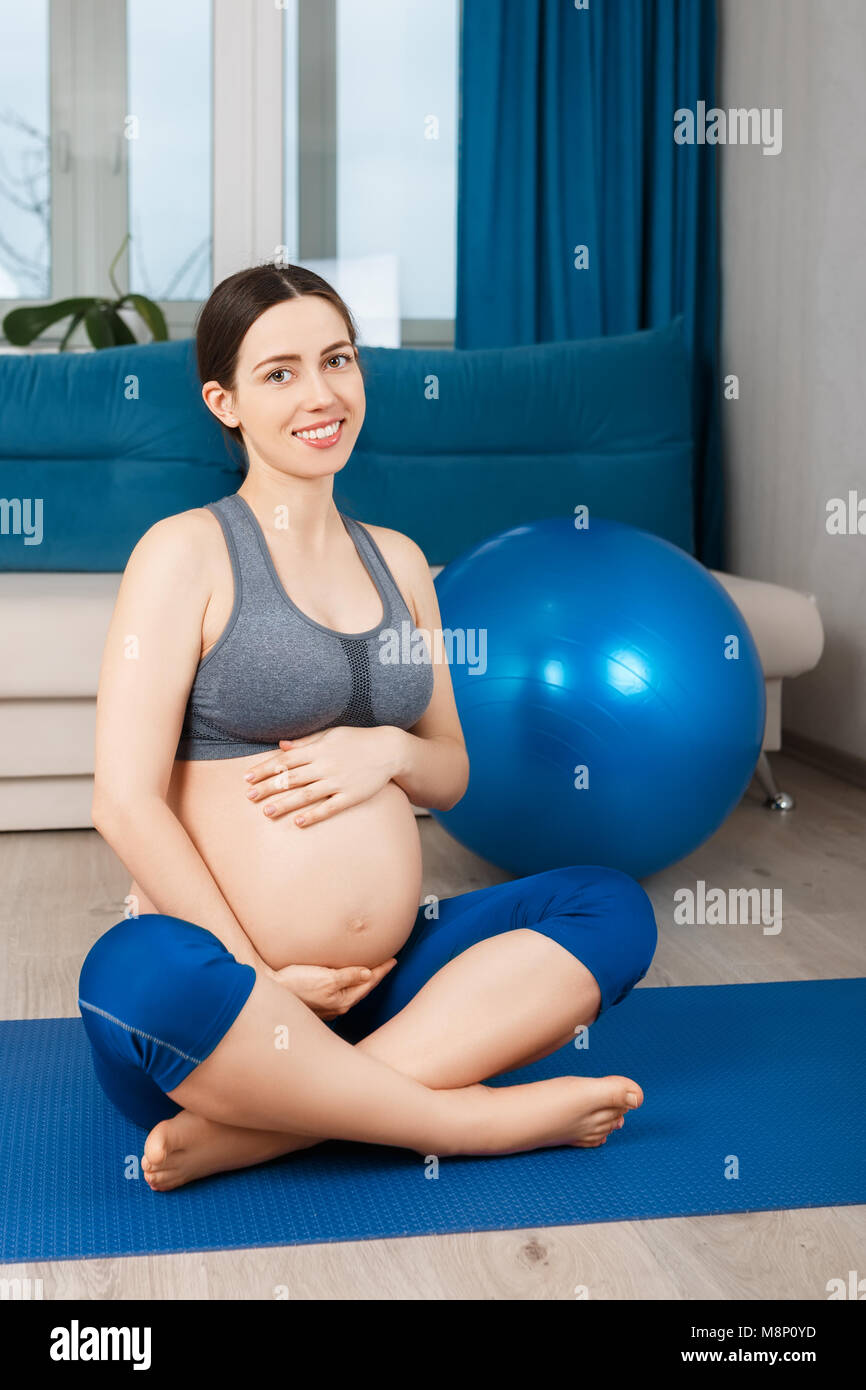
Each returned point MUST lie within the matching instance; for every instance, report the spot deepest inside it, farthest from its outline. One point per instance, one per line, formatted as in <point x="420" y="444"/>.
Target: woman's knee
<point x="163" y="975"/>
<point x="636" y="906"/>
<point x="156" y="995"/>
<point x="633" y="929"/>
<point x="619" y="903"/>
<point x="135" y="958"/>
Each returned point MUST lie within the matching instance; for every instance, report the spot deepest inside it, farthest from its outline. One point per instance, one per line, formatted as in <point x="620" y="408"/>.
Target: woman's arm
<point x="430" y="759"/>
<point x="148" y="666"/>
<point x="429" y="768"/>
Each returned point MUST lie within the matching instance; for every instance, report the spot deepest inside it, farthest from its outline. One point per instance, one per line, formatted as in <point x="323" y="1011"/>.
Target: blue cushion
<point x="520" y="433"/>
<point x="111" y="441"/>
<point x="456" y="445"/>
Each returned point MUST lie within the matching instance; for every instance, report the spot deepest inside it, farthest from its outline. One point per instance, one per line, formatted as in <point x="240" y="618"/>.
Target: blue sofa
<point x="456" y="446"/>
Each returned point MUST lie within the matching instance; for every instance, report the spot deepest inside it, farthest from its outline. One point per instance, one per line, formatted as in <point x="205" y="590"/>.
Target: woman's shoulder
<point x="406" y="561"/>
<point x="182" y="544"/>
<point x="397" y="547"/>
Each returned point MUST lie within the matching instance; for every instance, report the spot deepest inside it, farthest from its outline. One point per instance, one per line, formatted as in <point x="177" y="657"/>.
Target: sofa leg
<point x="775" y="800"/>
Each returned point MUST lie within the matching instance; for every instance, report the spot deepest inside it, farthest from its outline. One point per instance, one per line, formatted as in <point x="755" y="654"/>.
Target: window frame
<point x="90" y="170"/>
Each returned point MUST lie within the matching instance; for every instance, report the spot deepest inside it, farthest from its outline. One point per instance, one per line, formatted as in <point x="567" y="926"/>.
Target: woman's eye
<point x="281" y="371"/>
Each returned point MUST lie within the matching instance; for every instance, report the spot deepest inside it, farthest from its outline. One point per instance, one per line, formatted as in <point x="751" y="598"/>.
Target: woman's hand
<point x="331" y="992"/>
<point x="336" y="768"/>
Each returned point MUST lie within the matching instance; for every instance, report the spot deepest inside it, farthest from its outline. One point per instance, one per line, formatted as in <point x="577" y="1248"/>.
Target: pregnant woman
<point x="276" y="982"/>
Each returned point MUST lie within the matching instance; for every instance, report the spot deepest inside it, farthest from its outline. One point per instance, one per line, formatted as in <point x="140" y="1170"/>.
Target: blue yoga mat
<point x="767" y="1079"/>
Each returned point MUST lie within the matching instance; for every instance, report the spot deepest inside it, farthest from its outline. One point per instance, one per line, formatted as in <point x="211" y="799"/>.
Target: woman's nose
<point x="318" y="394"/>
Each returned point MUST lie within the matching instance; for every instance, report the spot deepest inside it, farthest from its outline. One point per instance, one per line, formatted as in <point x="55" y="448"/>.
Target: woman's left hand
<point x="334" y="769"/>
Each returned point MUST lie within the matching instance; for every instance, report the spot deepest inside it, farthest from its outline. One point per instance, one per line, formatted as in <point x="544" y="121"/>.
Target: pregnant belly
<point x="344" y="891"/>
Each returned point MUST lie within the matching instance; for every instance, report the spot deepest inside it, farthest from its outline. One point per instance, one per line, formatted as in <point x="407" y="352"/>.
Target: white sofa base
<point x="53" y="629"/>
<point x="45" y="803"/>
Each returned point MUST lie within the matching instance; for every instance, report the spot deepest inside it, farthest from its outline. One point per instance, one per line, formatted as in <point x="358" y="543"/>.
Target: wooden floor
<point x="62" y="889"/>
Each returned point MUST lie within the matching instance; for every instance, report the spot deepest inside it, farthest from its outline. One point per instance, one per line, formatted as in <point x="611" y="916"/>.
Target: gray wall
<point x="793" y="243"/>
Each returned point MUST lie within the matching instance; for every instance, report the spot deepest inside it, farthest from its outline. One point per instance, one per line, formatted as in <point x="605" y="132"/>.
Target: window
<point x="396" y="144"/>
<point x="215" y="134"/>
<point x="25" y="230"/>
<point x="168" y="134"/>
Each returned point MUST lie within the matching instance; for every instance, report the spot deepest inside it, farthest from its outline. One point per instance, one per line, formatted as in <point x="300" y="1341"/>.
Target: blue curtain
<point x="567" y="139"/>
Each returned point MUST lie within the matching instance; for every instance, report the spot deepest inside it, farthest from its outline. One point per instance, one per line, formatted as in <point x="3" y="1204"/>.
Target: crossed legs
<point x="504" y="1002"/>
<point x="498" y="978"/>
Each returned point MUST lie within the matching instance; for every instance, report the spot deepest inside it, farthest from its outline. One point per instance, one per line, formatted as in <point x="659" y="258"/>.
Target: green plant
<point x="103" y="324"/>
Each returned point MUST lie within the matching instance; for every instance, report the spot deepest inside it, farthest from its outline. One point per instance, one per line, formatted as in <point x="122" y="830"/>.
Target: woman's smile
<point x="333" y="432"/>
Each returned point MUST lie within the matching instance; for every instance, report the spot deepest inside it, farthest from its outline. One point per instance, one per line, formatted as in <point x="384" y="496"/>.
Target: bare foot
<point x="580" y="1111"/>
<point x="188" y="1146"/>
<point x="564" y="1110"/>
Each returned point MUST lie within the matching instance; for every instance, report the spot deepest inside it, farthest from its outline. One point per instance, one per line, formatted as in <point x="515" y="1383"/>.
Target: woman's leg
<point x="505" y="975"/>
<point x="165" y="1004"/>
<point x="488" y="997"/>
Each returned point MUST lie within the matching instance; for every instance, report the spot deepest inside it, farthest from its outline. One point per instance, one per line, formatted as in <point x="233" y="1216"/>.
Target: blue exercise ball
<point x="611" y="697"/>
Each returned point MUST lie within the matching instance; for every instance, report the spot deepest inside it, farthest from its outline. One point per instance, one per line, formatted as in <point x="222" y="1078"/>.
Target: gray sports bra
<point x="275" y="673"/>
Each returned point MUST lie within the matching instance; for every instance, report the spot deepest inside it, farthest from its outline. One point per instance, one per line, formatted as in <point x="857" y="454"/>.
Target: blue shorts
<point x="157" y="993"/>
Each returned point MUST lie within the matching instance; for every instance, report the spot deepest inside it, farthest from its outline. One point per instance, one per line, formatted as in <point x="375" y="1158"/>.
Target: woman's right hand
<point x="331" y="992"/>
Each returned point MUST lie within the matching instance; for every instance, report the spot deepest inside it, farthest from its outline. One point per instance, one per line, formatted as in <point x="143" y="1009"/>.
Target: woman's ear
<point x="220" y="403"/>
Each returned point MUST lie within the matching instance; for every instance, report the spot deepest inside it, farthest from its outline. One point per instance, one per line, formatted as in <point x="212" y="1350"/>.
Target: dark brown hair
<point x="234" y="305"/>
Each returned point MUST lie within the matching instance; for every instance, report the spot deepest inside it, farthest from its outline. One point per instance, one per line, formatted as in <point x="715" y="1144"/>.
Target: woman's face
<point x="296" y="371"/>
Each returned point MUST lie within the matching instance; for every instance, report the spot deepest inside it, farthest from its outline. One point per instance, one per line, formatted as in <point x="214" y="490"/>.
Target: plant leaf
<point x="99" y="327"/>
<point x="73" y="324"/>
<point x="115" y="286"/>
<point x="21" y="326"/>
<point x="120" y="328"/>
<point x="151" y="313"/>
